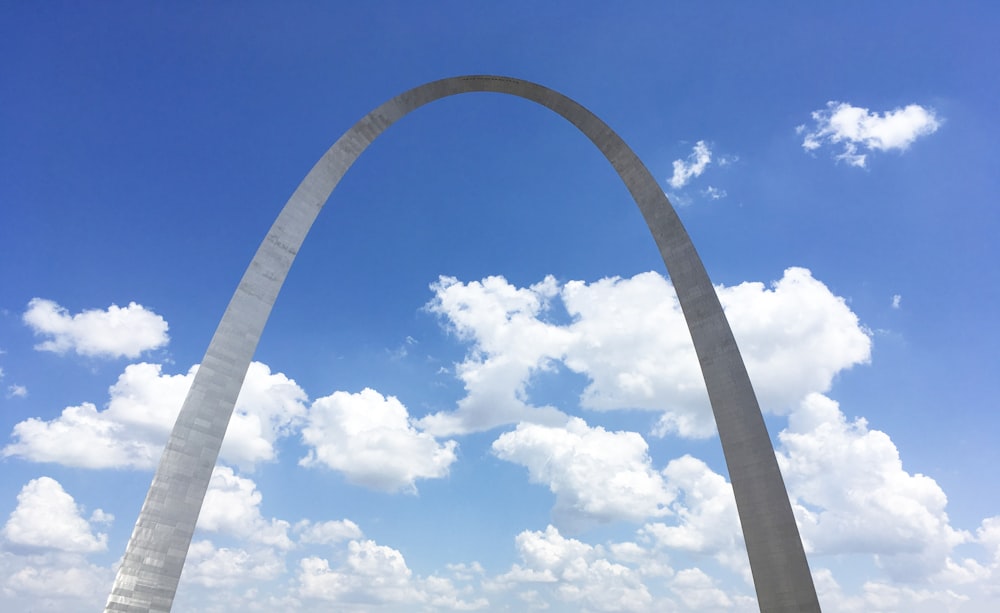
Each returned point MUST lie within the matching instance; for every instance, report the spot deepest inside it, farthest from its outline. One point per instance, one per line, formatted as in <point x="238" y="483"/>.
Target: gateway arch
<point x="154" y="557"/>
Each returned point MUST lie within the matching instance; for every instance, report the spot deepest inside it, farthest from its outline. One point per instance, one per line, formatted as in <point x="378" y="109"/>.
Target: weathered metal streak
<point x="147" y="579"/>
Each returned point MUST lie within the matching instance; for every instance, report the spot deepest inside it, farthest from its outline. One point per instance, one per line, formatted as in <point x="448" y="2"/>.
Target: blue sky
<point x="834" y="166"/>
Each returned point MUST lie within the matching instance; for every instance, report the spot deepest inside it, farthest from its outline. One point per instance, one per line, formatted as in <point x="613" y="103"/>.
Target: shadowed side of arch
<point x="154" y="558"/>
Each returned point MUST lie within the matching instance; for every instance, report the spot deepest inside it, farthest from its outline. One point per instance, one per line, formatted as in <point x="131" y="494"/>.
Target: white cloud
<point x="377" y="575"/>
<point x="116" y="332"/>
<point x="852" y="494"/>
<point x="629" y="338"/>
<point x="232" y="506"/>
<point x="896" y="301"/>
<point x="327" y="532"/>
<point x="714" y="193"/>
<point x="696" y="163"/>
<point x="857" y="127"/>
<point x="372" y="573"/>
<point x="596" y="475"/>
<point x="705" y="510"/>
<point x="699" y="592"/>
<point x="99" y="516"/>
<point x="144" y="403"/>
<point x="270" y="406"/>
<point x="214" y="568"/>
<point x="370" y="439"/>
<point x="572" y="571"/>
<point x="794" y="336"/>
<point x="988" y="535"/>
<point x="46" y="517"/>
<point x="53" y="581"/>
<point x="17" y="391"/>
<point x="880" y="596"/>
<point x="510" y="344"/>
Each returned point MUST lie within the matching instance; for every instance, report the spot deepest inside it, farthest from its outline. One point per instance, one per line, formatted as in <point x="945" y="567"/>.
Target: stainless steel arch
<point x="154" y="558"/>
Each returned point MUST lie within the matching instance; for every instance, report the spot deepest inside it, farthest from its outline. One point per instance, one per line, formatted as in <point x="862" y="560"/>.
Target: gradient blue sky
<point x="146" y="149"/>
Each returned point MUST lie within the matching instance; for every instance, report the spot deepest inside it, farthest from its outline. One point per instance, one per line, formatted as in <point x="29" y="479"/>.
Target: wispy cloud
<point x="896" y="300"/>
<point x="17" y="391"/>
<point x="861" y="131"/>
<point x="714" y="193"/>
<point x="684" y="171"/>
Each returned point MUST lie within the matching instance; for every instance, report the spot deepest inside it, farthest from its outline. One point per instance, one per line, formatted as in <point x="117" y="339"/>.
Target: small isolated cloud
<point x="896" y="300"/>
<point x="714" y="193"/>
<point x="47" y="518"/>
<point x="327" y="532"/>
<point x="17" y="391"/>
<point x="116" y="332"/>
<point x="860" y="130"/>
<point x="696" y="163"/>
<point x="403" y="350"/>
<point x="370" y="439"/>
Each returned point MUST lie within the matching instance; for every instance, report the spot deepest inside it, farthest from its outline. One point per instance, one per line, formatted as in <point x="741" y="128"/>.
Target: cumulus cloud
<point x="574" y="572"/>
<point x="684" y="171"/>
<point x="144" y="403"/>
<point x="704" y="508"/>
<point x="46" y="517"/>
<point x="510" y="343"/>
<point x="43" y="560"/>
<point x="857" y="128"/>
<point x="852" y="494"/>
<point x="629" y="338"/>
<point x="53" y="581"/>
<point x="699" y="592"/>
<point x="374" y="574"/>
<point x="115" y="332"/>
<point x="596" y="475"/>
<point x="883" y="597"/>
<point x="222" y="567"/>
<point x="795" y="336"/>
<point x="371" y="440"/>
<point x="988" y="535"/>
<point x="232" y="506"/>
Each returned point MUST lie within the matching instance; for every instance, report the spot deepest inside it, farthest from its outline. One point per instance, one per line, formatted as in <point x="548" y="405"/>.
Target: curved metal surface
<point x="154" y="558"/>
